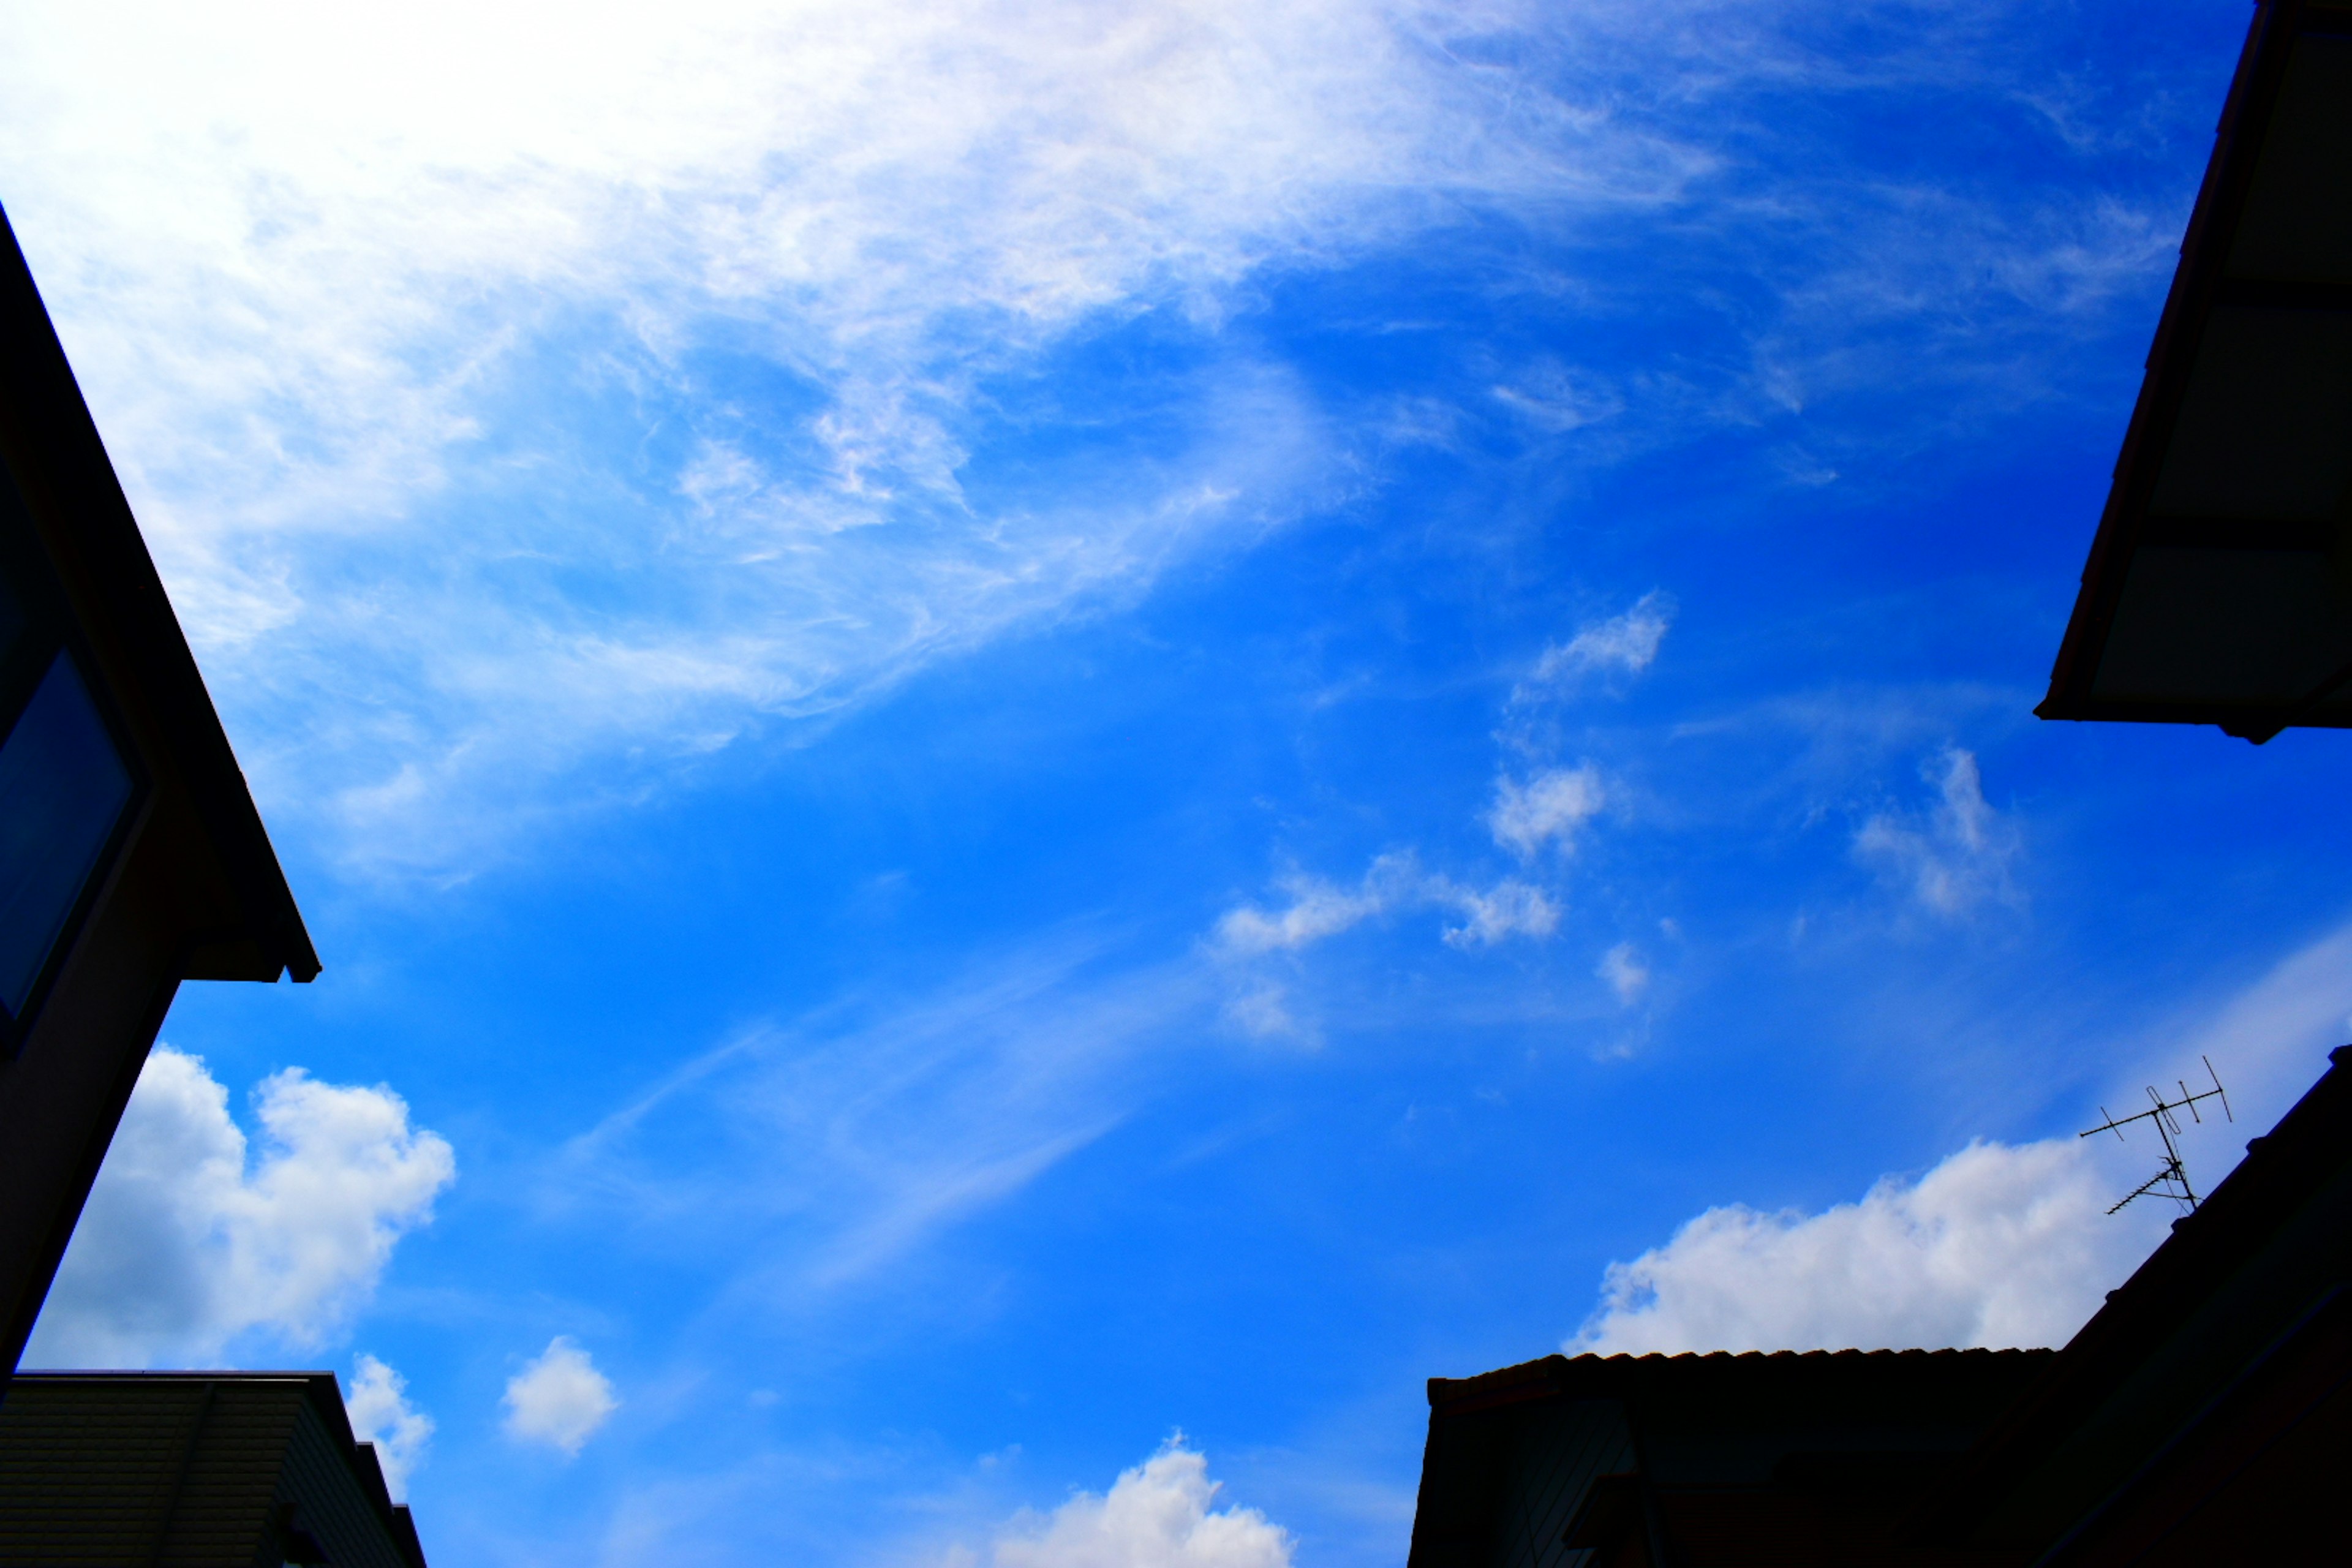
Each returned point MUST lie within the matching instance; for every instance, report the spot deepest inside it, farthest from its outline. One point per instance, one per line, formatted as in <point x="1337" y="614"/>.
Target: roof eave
<point x="55" y="446"/>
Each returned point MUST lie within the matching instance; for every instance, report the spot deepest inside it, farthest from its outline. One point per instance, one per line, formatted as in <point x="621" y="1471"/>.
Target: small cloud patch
<point x="1510" y="907"/>
<point x="1626" y="975"/>
<point x="1623" y="644"/>
<point x="1546" y="809"/>
<point x="560" y="1399"/>
<point x="1955" y="857"/>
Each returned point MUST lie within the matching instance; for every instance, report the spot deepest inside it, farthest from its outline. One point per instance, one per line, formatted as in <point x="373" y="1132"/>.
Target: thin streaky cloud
<point x="833" y="1147"/>
<point x="367" y="371"/>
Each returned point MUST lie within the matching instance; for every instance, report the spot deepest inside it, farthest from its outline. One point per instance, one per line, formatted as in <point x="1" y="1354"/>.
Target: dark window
<point x="66" y="783"/>
<point x="63" y="788"/>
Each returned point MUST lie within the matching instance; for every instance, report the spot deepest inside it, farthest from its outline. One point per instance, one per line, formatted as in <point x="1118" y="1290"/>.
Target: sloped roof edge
<point x="48" y="430"/>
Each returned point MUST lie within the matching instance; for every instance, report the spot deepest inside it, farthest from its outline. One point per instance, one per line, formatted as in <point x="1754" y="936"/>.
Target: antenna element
<point x="2172" y="1179"/>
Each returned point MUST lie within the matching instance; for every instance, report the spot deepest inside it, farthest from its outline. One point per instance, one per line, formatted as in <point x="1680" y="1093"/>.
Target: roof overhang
<point x="238" y="917"/>
<point x="2219" y="589"/>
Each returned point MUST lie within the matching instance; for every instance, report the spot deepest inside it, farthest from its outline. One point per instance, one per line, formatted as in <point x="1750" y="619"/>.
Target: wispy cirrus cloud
<point x="1954" y="856"/>
<point x="603" y="389"/>
<point x="832" y="1147"/>
<point x="768" y="263"/>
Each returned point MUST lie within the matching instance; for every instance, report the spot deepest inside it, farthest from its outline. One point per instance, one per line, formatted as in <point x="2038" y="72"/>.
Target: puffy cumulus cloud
<point x="1546" y="809"/>
<point x="1318" y="909"/>
<point x="1626" y="975"/>
<point x="1956" y="855"/>
<point x="381" y="1414"/>
<point x="189" y="1244"/>
<point x="1625" y="645"/>
<point x="1998" y="1245"/>
<point x="1160" y="1514"/>
<point x="560" y="1399"/>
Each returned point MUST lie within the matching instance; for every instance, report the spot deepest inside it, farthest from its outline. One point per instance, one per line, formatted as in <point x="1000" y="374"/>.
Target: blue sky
<point x="1016" y="729"/>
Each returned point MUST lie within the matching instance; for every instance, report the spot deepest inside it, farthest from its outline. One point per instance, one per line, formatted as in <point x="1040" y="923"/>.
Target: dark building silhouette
<point x="1698" y="1460"/>
<point x="201" y="1470"/>
<point x="131" y="854"/>
<point x="2219" y="589"/>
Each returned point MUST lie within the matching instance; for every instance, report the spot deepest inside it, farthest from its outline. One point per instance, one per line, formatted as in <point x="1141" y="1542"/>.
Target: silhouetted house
<point x="131" y="854"/>
<point x="1698" y="1460"/>
<point x="2203" y="1416"/>
<point x="201" y="1470"/>
<point x="2219" y="589"/>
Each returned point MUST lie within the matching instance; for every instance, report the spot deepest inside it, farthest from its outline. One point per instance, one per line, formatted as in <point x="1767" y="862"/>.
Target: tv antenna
<point x="2172" y="1181"/>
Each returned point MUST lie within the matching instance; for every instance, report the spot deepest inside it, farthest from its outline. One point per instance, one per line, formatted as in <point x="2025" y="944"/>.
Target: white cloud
<point x="1556" y="400"/>
<point x="327" y="286"/>
<point x="1627" y="644"/>
<point x="1549" y="807"/>
<point x="188" y="1245"/>
<point x="832" y="1147"/>
<point x="2270" y="1039"/>
<point x="1956" y="857"/>
<point x="1627" y="976"/>
<point x="559" y="1399"/>
<point x="1997" y="1245"/>
<point x="386" y="335"/>
<point x="381" y="1414"/>
<point x="1319" y="909"/>
<point x="1161" y="1514"/>
<point x="1510" y="907"/>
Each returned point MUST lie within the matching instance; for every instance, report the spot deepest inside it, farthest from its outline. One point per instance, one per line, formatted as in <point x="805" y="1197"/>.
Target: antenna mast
<point x="2172" y="1179"/>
